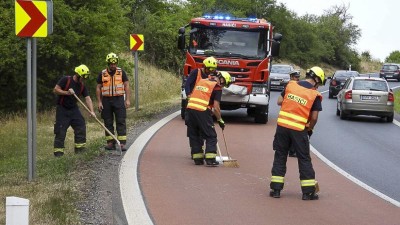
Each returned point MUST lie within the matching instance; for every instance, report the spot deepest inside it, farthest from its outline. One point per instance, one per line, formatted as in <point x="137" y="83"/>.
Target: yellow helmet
<point x="112" y="58"/>
<point x="316" y="72"/>
<point x="210" y="62"/>
<point x="82" y="71"/>
<point x="226" y="76"/>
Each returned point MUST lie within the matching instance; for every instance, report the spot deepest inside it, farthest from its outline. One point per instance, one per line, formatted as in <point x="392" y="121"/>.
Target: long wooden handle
<point x="104" y="127"/>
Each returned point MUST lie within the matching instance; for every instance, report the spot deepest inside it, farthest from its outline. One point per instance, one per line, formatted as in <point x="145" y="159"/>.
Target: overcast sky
<point x="379" y="21"/>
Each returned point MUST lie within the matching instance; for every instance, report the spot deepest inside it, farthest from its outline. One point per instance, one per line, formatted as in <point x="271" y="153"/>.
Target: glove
<point x="309" y="132"/>
<point x="221" y="124"/>
<point x="71" y="91"/>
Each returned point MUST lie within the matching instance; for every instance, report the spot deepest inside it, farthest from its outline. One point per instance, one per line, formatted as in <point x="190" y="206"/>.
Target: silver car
<point x="365" y="96"/>
<point x="279" y="76"/>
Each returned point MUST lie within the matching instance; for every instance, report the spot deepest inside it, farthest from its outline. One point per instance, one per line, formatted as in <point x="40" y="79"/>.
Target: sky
<point x="379" y="21"/>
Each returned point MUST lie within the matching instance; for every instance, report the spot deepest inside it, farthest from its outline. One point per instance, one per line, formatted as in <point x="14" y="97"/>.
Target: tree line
<point x="84" y="32"/>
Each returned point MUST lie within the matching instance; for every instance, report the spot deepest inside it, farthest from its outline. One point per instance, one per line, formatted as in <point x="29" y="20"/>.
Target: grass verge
<point x="54" y="192"/>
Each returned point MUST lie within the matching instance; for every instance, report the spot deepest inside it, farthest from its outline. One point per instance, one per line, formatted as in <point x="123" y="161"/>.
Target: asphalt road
<point x="161" y="185"/>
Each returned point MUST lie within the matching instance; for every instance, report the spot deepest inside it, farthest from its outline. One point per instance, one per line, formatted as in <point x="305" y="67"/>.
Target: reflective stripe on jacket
<point x="112" y="85"/>
<point x="296" y="106"/>
<point x="201" y="94"/>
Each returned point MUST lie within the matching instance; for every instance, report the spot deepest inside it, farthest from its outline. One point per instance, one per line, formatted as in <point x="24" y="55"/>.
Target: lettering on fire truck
<point x="228" y="62"/>
<point x="228" y="24"/>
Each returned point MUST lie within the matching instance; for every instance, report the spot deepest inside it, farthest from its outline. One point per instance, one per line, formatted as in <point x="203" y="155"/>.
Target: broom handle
<point x="104" y="127"/>
<point x="219" y="151"/>
<point x="226" y="147"/>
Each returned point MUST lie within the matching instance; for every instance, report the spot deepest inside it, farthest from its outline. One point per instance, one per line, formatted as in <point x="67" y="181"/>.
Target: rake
<point x="233" y="163"/>
<point x="102" y="125"/>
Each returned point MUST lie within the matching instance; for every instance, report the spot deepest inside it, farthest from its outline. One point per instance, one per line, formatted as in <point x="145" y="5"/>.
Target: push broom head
<point x="232" y="163"/>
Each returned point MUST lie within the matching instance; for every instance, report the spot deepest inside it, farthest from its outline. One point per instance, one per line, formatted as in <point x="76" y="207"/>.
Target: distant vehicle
<point x="390" y="71"/>
<point x="365" y="96"/>
<point x="338" y="79"/>
<point x="280" y="76"/>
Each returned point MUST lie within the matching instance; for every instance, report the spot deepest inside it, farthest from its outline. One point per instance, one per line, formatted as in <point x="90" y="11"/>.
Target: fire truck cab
<point x="244" y="47"/>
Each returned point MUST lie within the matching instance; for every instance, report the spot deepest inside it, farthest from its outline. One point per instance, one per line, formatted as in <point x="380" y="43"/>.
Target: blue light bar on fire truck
<point x="222" y="17"/>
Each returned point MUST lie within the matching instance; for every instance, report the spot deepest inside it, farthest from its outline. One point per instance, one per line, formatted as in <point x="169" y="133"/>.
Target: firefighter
<point x="294" y="76"/>
<point x="300" y="105"/>
<point x="67" y="111"/>
<point x="113" y="98"/>
<point x="199" y="119"/>
<point x="209" y="69"/>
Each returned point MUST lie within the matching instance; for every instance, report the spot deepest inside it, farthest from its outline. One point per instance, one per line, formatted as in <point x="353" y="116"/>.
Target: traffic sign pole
<point x="136" y="44"/>
<point x="136" y="82"/>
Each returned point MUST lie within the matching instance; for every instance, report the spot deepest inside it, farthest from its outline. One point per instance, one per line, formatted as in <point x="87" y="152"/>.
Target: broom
<point x="233" y="163"/>
<point x="104" y="127"/>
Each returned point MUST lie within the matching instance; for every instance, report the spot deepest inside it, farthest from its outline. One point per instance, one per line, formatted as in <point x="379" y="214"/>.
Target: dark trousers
<point x="200" y="127"/>
<point x="114" y="107"/>
<point x="284" y="138"/>
<point x="65" y="118"/>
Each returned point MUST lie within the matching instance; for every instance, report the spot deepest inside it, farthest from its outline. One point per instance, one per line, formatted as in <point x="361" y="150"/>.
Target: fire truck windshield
<point x="251" y="44"/>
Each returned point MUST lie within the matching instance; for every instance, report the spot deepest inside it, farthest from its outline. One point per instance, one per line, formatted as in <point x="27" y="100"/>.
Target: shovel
<point x="102" y="125"/>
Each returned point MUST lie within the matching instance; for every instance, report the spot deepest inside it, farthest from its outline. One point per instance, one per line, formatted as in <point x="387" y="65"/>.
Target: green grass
<point x="397" y="101"/>
<point x="55" y="190"/>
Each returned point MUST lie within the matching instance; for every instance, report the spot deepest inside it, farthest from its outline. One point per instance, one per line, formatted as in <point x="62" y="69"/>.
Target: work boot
<point x="110" y="146"/>
<point x="198" y="161"/>
<point x="310" y="196"/>
<point x="275" y="193"/>
<point x="58" y="154"/>
<point x="212" y="162"/>
<point x="123" y="147"/>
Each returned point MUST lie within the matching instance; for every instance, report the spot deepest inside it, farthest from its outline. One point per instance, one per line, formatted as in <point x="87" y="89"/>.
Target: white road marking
<point x="132" y="198"/>
<point x="355" y="180"/>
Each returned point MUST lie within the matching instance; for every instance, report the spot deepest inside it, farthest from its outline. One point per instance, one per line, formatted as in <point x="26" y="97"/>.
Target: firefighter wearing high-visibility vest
<point x="300" y="104"/>
<point x="68" y="113"/>
<point x="199" y="119"/>
<point x="113" y="98"/>
<point x="209" y="69"/>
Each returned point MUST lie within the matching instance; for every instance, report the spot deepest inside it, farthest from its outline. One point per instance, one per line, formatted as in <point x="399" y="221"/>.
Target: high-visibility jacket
<point x="112" y="85"/>
<point x="296" y="106"/>
<point x="201" y="95"/>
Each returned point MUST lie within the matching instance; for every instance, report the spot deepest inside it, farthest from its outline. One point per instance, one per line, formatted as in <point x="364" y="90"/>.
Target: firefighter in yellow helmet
<point x="67" y="111"/>
<point x="113" y="98"/>
<point x="206" y="96"/>
<point x="300" y="104"/>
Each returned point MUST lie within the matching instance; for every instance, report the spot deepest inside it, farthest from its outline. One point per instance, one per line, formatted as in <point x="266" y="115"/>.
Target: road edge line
<point x="353" y="179"/>
<point x="131" y="195"/>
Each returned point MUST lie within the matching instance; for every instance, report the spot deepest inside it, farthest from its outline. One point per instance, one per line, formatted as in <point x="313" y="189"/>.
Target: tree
<point x="394" y="57"/>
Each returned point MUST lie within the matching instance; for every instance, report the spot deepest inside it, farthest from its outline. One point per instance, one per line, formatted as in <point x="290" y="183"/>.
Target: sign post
<point x="32" y="19"/>
<point x="136" y="44"/>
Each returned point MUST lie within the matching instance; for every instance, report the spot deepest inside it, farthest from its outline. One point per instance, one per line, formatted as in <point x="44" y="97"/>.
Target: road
<point x="167" y="188"/>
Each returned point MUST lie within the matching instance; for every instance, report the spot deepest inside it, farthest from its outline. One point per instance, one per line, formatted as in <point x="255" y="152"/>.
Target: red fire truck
<point x="244" y="47"/>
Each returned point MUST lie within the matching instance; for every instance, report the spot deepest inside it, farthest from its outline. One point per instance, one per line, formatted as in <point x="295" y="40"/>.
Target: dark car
<point x="366" y="96"/>
<point x="338" y="79"/>
<point x="280" y="76"/>
<point x="390" y="71"/>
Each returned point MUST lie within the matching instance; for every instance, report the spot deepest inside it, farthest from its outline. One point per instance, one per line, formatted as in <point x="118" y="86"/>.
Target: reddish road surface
<point x="177" y="192"/>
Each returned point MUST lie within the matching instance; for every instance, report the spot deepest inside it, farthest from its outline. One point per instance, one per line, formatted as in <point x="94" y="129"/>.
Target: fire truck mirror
<point x="275" y="48"/>
<point x="181" y="30"/>
<point x="181" y="41"/>
<point x="278" y="37"/>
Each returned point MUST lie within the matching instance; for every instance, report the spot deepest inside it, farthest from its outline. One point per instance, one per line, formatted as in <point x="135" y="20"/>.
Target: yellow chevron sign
<point x="137" y="42"/>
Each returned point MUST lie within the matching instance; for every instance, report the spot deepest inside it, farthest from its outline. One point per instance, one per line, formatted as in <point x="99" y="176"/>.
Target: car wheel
<point x="389" y="119"/>
<point x="251" y="112"/>
<point x="261" y="115"/>
<point x="337" y="111"/>
<point x="342" y="115"/>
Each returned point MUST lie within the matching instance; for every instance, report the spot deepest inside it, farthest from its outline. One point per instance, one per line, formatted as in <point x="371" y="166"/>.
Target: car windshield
<point x="389" y="67"/>
<point x="346" y="74"/>
<point x="370" y="85"/>
<point x="280" y="69"/>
